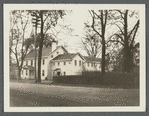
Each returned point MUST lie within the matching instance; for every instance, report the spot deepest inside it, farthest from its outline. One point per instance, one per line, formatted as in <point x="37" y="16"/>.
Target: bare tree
<point x="126" y="37"/>
<point x="48" y="19"/>
<point x="19" y="23"/>
<point x="91" y="44"/>
<point x="99" y="22"/>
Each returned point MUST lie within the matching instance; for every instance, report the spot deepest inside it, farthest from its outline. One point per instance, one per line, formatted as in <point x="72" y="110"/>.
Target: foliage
<point x="110" y="79"/>
<point x="125" y="36"/>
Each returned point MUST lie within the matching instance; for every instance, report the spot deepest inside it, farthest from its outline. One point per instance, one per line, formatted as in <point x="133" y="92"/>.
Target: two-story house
<point x="57" y="61"/>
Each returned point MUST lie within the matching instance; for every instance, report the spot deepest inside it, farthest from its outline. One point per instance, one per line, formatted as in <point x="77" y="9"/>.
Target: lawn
<point x="25" y="94"/>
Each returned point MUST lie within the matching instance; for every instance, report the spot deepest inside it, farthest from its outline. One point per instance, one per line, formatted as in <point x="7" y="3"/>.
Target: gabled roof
<point x="45" y="52"/>
<point x="91" y="59"/>
<point x="64" y="57"/>
<point x="58" y="48"/>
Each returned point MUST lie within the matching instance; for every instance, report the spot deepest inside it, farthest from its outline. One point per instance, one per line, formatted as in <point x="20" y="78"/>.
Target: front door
<point x="58" y="73"/>
<point x="32" y="74"/>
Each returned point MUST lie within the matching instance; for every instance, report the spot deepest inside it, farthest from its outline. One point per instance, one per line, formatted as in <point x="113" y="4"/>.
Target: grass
<point x="20" y="98"/>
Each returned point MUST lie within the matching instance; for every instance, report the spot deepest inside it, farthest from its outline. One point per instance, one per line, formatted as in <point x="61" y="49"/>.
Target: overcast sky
<point x="75" y="20"/>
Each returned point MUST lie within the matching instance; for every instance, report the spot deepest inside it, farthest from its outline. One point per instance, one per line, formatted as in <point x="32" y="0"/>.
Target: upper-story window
<point x="88" y="64"/>
<point x="64" y="63"/>
<point x="31" y="62"/>
<point x="58" y="63"/>
<point x="51" y="56"/>
<point x="43" y="61"/>
<point x="80" y="62"/>
<point x="57" y="52"/>
<point x="26" y="62"/>
<point x="75" y="62"/>
<point x="53" y="63"/>
<point x="22" y="72"/>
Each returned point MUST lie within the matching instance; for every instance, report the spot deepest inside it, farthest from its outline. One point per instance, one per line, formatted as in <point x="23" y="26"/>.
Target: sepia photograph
<point x="74" y="57"/>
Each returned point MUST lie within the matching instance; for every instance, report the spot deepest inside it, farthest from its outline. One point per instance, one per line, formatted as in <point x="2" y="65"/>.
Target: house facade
<point x="56" y="61"/>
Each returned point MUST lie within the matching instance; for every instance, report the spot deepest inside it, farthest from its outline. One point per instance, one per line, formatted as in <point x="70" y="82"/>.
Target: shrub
<point x="110" y="79"/>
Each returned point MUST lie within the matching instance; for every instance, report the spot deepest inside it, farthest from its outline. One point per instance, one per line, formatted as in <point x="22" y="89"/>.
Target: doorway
<point x="58" y="73"/>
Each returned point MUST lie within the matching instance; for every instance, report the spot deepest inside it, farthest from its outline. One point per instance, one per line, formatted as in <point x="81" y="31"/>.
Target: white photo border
<point x="140" y="7"/>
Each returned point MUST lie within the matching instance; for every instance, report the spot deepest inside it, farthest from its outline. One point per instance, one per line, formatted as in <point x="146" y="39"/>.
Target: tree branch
<point x="131" y="45"/>
<point x="136" y="25"/>
<point x="120" y="13"/>
<point x="93" y="19"/>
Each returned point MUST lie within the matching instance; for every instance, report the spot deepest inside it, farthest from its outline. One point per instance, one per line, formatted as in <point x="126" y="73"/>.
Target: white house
<point x="57" y="61"/>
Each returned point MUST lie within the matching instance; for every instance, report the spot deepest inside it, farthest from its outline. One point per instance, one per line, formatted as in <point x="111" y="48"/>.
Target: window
<point x="57" y="52"/>
<point x="80" y="62"/>
<point x="43" y="61"/>
<point x="53" y="73"/>
<point x="64" y="73"/>
<point x="88" y="64"/>
<point x="22" y="72"/>
<point x="92" y="64"/>
<point x="53" y="63"/>
<point x="64" y="63"/>
<point x="51" y="56"/>
<point x="26" y="62"/>
<point x="26" y="72"/>
<point x="31" y="62"/>
<point x="42" y="72"/>
<point x="58" y="63"/>
<point x="76" y="62"/>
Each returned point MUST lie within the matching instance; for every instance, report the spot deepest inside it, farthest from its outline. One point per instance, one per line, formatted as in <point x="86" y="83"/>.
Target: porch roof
<point x="29" y="67"/>
<point x="56" y="69"/>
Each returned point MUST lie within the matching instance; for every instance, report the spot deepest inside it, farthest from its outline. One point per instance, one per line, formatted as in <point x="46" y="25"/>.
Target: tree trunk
<point x="19" y="73"/>
<point x="103" y="58"/>
<point x="127" y="55"/>
<point x="103" y="25"/>
<point x="40" y="48"/>
<point x="128" y="59"/>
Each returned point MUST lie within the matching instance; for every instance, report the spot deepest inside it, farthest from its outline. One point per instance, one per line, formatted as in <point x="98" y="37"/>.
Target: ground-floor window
<point x="92" y="64"/>
<point x="42" y="72"/>
<point x="64" y="73"/>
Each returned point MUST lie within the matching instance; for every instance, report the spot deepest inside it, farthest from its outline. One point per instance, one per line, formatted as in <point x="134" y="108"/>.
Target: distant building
<point x="13" y="71"/>
<point x="57" y="61"/>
